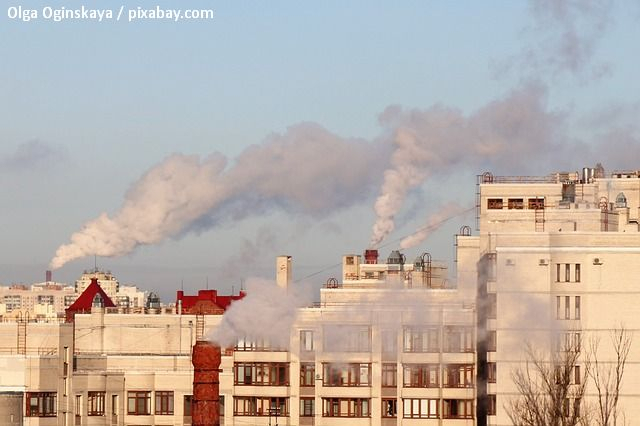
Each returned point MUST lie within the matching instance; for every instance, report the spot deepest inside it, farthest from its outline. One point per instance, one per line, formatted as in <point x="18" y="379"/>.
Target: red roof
<point x="206" y="302"/>
<point x="84" y="302"/>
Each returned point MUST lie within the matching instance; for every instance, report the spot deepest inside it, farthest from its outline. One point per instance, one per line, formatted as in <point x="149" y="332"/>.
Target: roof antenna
<point x="207" y="282"/>
<point x="95" y="264"/>
<point x="182" y="284"/>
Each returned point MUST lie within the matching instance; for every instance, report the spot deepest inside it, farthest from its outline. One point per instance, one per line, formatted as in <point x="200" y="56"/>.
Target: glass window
<point x="164" y="402"/>
<point x="139" y="403"/>
<point x="95" y="403"/>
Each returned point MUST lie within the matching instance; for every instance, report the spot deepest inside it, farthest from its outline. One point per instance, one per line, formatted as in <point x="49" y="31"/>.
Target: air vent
<point x="510" y="262"/>
<point x="543" y="262"/>
<point x="597" y="261"/>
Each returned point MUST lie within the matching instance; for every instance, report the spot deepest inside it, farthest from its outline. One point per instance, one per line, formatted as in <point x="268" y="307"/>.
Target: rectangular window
<point x="567" y="272"/>
<point x="389" y="375"/>
<point x="164" y="402"/>
<point x="565" y="407"/>
<point x="558" y="308"/>
<point x="494" y="203"/>
<point x="491" y="372"/>
<point x="41" y="404"/>
<point x="491" y="408"/>
<point x="458" y="339"/>
<point x="307" y="374"/>
<point x="306" y="340"/>
<point x="389" y="407"/>
<point x="567" y="307"/>
<point x="351" y="374"/>
<point x="577" y="307"/>
<point x="577" y="272"/>
<point x="421" y="375"/>
<point x="415" y="408"/>
<point x="139" y="403"/>
<point x="114" y="405"/>
<point x="421" y="339"/>
<point x="259" y="345"/>
<point x="95" y="403"/>
<point x="492" y="344"/>
<point x="307" y="407"/>
<point x="260" y="406"/>
<point x="261" y="373"/>
<point x="458" y="376"/>
<point x="346" y="407"/>
<point x="347" y="338"/>
<point x="557" y="272"/>
<point x="457" y="408"/>
<point x="515" y="203"/>
<point x="576" y="406"/>
<point x="187" y="405"/>
<point x="577" y="378"/>
<point x="389" y="341"/>
<point x="492" y="311"/>
<point x="536" y="203"/>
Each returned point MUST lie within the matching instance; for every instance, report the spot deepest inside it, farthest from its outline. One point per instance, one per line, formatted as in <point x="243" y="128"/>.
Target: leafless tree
<point x="550" y="385"/>
<point x="607" y="376"/>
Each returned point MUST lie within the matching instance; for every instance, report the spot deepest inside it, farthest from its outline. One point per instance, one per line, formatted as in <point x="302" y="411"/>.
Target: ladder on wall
<point x="539" y="220"/>
<point x="22" y="335"/>
<point x="199" y="326"/>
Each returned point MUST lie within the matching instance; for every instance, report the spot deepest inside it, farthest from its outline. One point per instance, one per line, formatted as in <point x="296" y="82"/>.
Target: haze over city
<point x="198" y="151"/>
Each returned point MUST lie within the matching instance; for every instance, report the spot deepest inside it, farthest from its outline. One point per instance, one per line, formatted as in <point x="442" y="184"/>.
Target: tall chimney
<point x="205" y="408"/>
<point x="283" y="271"/>
<point x="47" y="276"/>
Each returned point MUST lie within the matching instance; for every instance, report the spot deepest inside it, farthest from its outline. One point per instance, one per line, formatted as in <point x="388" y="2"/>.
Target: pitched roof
<point x="84" y="302"/>
<point x="206" y="302"/>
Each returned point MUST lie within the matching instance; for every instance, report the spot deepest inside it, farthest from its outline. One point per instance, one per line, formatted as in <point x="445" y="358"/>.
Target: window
<point x="557" y="272"/>
<point x="164" y="402"/>
<point x="414" y="408"/>
<point x="307" y="407"/>
<point x="536" y="203"/>
<point x="567" y="307"/>
<point x="339" y="374"/>
<point x="567" y="272"/>
<point x="492" y="309"/>
<point x="577" y="307"/>
<point x="491" y="405"/>
<point x="389" y="407"/>
<point x="558" y="308"/>
<point x="261" y="373"/>
<point x="492" y="372"/>
<point x="577" y="378"/>
<point x="421" y="339"/>
<point x="421" y="375"/>
<point x="260" y="406"/>
<point x="457" y="408"/>
<point x="576" y="407"/>
<point x="492" y="344"/>
<point x="95" y="403"/>
<point x="187" y="405"/>
<point x="346" y="407"/>
<point x="114" y="405"/>
<point x="577" y="276"/>
<point x="494" y="203"/>
<point x="389" y="375"/>
<point x="347" y="338"/>
<point x="349" y="260"/>
<point x="515" y="203"/>
<point x="389" y="341"/>
<point x="457" y="376"/>
<point x="306" y="341"/>
<point x="458" y="339"/>
<point x="565" y="407"/>
<point x="139" y="403"/>
<point x="256" y="345"/>
<point x="78" y="408"/>
<point x="307" y="374"/>
<point x="41" y="404"/>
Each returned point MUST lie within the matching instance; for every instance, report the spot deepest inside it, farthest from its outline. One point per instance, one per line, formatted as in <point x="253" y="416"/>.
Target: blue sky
<point x="87" y="108"/>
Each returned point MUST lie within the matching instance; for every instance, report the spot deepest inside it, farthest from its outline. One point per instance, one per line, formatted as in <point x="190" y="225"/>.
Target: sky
<point x="190" y="154"/>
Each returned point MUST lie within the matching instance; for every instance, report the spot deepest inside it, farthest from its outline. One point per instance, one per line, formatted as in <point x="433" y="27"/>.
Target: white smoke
<point x="509" y="132"/>
<point x="434" y="221"/>
<point x="267" y="313"/>
<point x="308" y="170"/>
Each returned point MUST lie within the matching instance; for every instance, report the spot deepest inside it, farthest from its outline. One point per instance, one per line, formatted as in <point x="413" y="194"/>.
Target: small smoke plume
<point x="306" y="170"/>
<point x="434" y="221"/>
<point x="32" y="154"/>
<point x="266" y="313"/>
<point x="509" y="132"/>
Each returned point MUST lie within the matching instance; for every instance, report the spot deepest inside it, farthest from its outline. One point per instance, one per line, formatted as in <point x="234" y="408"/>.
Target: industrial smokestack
<point x="47" y="276"/>
<point x="283" y="271"/>
<point x="205" y="409"/>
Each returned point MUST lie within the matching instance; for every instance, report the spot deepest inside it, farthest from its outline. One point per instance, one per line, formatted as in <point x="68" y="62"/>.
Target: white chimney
<point x="283" y="271"/>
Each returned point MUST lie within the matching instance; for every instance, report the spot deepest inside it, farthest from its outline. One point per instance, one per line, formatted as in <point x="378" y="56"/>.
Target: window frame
<point x="139" y="398"/>
<point x="164" y="403"/>
<point x="96" y="403"/>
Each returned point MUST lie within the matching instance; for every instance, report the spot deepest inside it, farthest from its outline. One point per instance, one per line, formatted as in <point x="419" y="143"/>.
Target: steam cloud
<point x="433" y="222"/>
<point x="307" y="170"/>
<point x="266" y="313"/>
<point x="506" y="132"/>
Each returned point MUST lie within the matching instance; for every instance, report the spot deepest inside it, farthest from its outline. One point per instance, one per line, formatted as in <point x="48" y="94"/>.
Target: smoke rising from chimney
<point x="434" y="221"/>
<point x="305" y="170"/>
<point x="508" y="132"/>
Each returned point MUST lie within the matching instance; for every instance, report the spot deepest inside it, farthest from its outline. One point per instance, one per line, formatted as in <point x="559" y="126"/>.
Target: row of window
<point x="563" y="307"/>
<point x="515" y="203"/>
<point x="564" y="272"/>
<point x="413" y="408"/>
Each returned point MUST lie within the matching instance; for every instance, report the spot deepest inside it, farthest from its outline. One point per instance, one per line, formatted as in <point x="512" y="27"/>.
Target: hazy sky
<point x="331" y="94"/>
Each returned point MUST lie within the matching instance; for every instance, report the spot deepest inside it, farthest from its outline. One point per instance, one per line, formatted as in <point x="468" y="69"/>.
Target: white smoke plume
<point x="509" y="132"/>
<point x="307" y="170"/>
<point x="434" y="222"/>
<point x="266" y="313"/>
